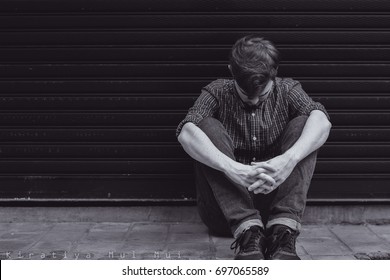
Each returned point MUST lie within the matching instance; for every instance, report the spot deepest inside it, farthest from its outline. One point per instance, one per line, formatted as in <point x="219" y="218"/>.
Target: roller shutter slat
<point x="134" y="71"/>
<point x="191" y="6"/>
<point x="167" y="86"/>
<point x="153" y="134"/>
<point x="202" y="21"/>
<point x="161" y="102"/>
<point x="179" y="55"/>
<point x="162" y="151"/>
<point x="192" y="38"/>
<point x="131" y="167"/>
<point x="154" y="118"/>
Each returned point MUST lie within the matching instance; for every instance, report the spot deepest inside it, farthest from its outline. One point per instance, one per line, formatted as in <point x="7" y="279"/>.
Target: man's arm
<point x="314" y="135"/>
<point x="197" y="144"/>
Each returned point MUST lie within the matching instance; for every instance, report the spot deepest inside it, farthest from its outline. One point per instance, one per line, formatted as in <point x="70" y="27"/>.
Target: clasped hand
<point x="281" y="168"/>
<point x="263" y="177"/>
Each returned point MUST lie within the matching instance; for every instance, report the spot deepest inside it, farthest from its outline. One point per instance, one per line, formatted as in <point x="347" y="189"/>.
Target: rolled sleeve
<point x="301" y="104"/>
<point x="205" y="106"/>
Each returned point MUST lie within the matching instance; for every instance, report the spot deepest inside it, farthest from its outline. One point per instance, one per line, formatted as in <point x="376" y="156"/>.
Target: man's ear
<point x="274" y="72"/>
<point x="230" y="69"/>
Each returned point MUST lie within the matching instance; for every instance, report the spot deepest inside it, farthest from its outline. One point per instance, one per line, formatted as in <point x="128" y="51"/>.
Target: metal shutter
<point x="91" y="92"/>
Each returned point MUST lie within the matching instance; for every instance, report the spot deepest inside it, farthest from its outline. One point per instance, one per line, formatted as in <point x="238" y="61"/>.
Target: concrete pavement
<point x="166" y="233"/>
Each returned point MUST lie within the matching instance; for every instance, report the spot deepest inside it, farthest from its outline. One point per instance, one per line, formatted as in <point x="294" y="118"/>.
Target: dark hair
<point x="254" y="61"/>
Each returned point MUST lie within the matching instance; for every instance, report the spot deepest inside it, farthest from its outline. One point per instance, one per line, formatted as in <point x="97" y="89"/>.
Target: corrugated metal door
<point x="91" y="91"/>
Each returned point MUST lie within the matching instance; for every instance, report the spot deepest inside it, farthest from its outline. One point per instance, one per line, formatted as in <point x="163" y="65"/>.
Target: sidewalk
<point x="157" y="236"/>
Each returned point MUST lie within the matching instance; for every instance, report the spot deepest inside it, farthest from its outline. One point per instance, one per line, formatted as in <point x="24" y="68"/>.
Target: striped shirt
<point x="255" y="130"/>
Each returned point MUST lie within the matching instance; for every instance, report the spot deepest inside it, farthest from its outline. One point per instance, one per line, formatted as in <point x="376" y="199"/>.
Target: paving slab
<point x="222" y="240"/>
<point x="188" y="238"/>
<point x="222" y="247"/>
<point x="324" y="246"/>
<point x="104" y="236"/>
<point x="305" y="257"/>
<point x="360" y="238"/>
<point x="30" y="226"/>
<point x="187" y="232"/>
<point x="195" y="237"/>
<point x="110" y="227"/>
<point x="148" y="233"/>
<point x="150" y="227"/>
<point x="300" y="249"/>
<point x="333" y="257"/>
<point x="14" y="245"/>
<point x="49" y="245"/>
<point x="223" y="252"/>
<point x="147" y="237"/>
<point x="4" y="227"/>
<point x="318" y="240"/>
<point x="71" y="227"/>
<point x="309" y="231"/>
<point x="102" y="247"/>
<point x="188" y="228"/>
<point x="30" y="236"/>
<point x="187" y="214"/>
<point x="105" y="232"/>
<point x="72" y="232"/>
<point x="383" y="231"/>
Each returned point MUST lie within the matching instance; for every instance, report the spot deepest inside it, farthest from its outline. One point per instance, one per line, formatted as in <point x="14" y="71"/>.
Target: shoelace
<point x="248" y="240"/>
<point x="283" y="238"/>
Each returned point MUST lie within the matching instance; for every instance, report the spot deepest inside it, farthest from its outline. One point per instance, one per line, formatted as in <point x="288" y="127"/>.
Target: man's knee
<point x="210" y="125"/>
<point x="298" y="123"/>
<point x="293" y="131"/>
<point x="218" y="135"/>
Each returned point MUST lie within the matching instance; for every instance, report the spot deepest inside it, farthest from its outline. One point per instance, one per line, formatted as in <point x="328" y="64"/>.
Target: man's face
<point x="260" y="97"/>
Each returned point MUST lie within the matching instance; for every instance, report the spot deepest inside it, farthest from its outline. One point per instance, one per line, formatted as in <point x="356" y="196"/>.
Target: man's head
<point x="253" y="62"/>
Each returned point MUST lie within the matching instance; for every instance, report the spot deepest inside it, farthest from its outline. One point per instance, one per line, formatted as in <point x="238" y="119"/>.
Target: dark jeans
<point x="227" y="208"/>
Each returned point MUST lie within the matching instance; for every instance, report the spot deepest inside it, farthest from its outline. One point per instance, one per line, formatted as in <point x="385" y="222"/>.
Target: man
<point x="254" y="139"/>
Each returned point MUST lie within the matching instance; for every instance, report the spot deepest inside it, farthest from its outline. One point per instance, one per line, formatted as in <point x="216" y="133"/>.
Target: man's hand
<point x="283" y="165"/>
<point x="246" y="175"/>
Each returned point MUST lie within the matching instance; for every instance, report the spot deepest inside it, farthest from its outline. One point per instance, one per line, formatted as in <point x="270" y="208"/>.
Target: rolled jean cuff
<point x="247" y="224"/>
<point x="293" y="224"/>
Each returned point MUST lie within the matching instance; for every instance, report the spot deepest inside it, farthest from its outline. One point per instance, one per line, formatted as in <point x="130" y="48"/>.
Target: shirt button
<point x="253" y="114"/>
<point x="254" y="159"/>
<point x="254" y="138"/>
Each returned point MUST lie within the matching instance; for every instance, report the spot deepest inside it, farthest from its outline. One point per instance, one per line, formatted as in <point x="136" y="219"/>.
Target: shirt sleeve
<point x="205" y="106"/>
<point x="301" y="104"/>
